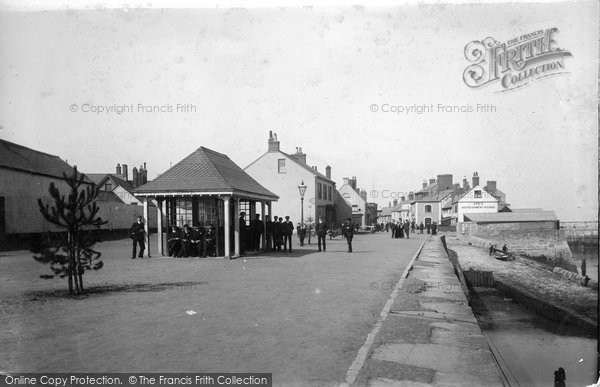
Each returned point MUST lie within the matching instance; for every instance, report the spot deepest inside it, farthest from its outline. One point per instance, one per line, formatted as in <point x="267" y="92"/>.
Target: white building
<point x="282" y="173"/>
<point x="475" y="201"/>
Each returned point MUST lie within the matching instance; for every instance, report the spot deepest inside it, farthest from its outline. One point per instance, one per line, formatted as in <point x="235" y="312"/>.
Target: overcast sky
<point x="310" y="74"/>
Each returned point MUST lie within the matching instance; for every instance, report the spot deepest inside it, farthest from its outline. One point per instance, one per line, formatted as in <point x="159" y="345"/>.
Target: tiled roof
<point x="21" y="158"/>
<point x="205" y="171"/>
<point x="518" y="216"/>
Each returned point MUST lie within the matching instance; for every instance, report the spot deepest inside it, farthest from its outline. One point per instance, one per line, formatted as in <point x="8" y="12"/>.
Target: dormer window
<point x="477" y="194"/>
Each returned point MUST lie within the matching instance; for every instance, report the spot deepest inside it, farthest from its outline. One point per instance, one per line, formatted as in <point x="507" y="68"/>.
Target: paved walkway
<point x="430" y="336"/>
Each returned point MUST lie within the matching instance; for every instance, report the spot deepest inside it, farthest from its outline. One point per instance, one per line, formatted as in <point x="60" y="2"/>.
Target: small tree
<point x="70" y="254"/>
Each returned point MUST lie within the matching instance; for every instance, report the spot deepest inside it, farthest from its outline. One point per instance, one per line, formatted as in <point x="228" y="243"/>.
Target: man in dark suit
<point x="348" y="231"/>
<point x="288" y="230"/>
<point x="256" y="230"/>
<point x="269" y="235"/>
<point x="137" y="234"/>
<point x="243" y="233"/>
<point x="277" y="233"/>
<point x="321" y="230"/>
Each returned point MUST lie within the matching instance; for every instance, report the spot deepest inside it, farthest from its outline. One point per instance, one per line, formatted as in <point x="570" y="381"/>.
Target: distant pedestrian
<point x="413" y="225"/>
<point x="407" y="229"/>
<point x="301" y="231"/>
<point x="504" y="249"/>
<point x="393" y="228"/>
<point x="428" y="226"/>
<point x="421" y="227"/>
<point x="321" y="230"/>
<point x="434" y="227"/>
<point x="492" y="249"/>
<point x="138" y="234"/>
<point x="348" y="231"/>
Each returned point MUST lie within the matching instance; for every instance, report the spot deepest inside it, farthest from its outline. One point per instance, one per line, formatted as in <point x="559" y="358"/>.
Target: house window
<point x="354" y="208"/>
<point x="477" y="194"/>
<point x="108" y="187"/>
<point x="428" y="208"/>
<point x="281" y="165"/>
<point x="320" y="192"/>
<point x="329" y="193"/>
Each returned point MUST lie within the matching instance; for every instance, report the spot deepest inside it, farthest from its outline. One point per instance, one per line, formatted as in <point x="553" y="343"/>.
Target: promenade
<point x="430" y="335"/>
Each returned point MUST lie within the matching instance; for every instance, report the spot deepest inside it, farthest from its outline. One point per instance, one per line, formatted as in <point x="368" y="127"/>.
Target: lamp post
<point x="302" y="189"/>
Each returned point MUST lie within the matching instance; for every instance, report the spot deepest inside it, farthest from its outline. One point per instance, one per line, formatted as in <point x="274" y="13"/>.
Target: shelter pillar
<point x="146" y="227"/>
<point x="263" y="239"/>
<point x="227" y="223"/>
<point x="160" y="211"/>
<point x="236" y="220"/>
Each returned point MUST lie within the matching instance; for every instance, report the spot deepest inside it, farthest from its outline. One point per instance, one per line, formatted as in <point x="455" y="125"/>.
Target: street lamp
<point x="302" y="189"/>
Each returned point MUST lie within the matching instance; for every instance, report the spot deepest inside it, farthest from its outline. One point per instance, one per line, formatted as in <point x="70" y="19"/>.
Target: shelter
<point x="206" y="189"/>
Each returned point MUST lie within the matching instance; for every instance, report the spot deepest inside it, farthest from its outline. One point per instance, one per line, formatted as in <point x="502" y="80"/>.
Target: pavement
<point x="430" y="336"/>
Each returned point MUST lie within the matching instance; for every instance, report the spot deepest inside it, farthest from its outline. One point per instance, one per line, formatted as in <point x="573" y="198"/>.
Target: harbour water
<point x="531" y="347"/>
<point x="590" y="254"/>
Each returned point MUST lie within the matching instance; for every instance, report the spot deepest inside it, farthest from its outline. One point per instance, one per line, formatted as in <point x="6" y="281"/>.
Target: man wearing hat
<point x="288" y="230"/>
<point x="137" y="234"/>
<point x="348" y="231"/>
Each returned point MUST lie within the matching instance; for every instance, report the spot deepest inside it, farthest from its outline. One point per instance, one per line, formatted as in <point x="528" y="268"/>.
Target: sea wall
<point x="540" y="241"/>
<point x="580" y="232"/>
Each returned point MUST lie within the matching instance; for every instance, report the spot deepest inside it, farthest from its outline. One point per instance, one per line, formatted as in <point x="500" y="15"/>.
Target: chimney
<point x="456" y="185"/>
<point x="125" y="175"/>
<point x="144" y="165"/>
<point x="411" y="196"/>
<point x="118" y="169"/>
<point x="491" y="186"/>
<point x="444" y="182"/>
<point x="299" y="155"/>
<point x="346" y="180"/>
<point x="475" y="179"/>
<point x="328" y="172"/>
<point x="136" y="179"/>
<point x="431" y="181"/>
<point x="465" y="183"/>
<point x="352" y="182"/>
<point x="424" y="183"/>
<point x="363" y="194"/>
<point x="389" y="204"/>
<point x="395" y="202"/>
<point x="273" y="143"/>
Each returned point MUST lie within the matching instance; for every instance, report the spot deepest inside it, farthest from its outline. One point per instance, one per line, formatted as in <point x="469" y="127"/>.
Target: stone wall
<point x="540" y="241"/>
<point x="581" y="232"/>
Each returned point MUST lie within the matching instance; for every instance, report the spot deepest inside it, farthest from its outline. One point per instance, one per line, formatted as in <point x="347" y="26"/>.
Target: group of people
<point x="193" y="241"/>
<point x="198" y="241"/>
<point x="403" y="229"/>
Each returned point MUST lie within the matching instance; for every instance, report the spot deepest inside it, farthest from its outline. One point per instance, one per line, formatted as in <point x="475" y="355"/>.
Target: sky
<point x="314" y="75"/>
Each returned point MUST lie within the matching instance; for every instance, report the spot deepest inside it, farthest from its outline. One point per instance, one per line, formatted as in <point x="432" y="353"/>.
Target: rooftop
<point x="205" y="170"/>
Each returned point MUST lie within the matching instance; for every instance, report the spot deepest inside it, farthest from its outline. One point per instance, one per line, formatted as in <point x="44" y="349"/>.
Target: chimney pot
<point x="125" y="172"/>
<point x="273" y="144"/>
<point x="328" y="172"/>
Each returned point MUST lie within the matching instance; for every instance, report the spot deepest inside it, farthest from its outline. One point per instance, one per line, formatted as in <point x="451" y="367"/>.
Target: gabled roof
<point x="100" y="178"/>
<point x="518" y="216"/>
<point x="295" y="160"/>
<point x="307" y="167"/>
<point x="18" y="157"/>
<point x="205" y="170"/>
<point x="386" y="211"/>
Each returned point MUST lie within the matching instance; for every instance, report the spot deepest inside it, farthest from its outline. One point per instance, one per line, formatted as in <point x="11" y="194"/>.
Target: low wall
<point x="540" y="241"/>
<point x="580" y="232"/>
